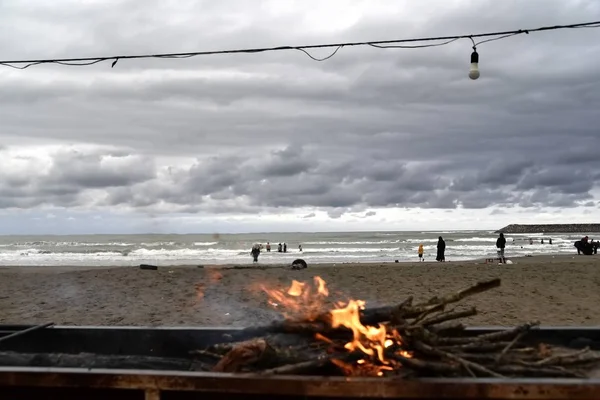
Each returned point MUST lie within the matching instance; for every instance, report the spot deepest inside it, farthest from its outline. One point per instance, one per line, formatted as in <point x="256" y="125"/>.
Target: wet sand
<point x="556" y="290"/>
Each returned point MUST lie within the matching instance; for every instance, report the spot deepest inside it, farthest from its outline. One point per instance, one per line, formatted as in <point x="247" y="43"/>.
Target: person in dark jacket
<point x="255" y="252"/>
<point x="585" y="247"/>
<point x="501" y="244"/>
<point x="441" y="249"/>
<point x="579" y="246"/>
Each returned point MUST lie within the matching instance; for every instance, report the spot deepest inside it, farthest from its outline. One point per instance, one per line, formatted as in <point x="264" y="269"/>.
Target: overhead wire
<point x="381" y="44"/>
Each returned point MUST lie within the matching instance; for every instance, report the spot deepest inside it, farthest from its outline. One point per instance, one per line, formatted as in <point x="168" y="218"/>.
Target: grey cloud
<point x="562" y="179"/>
<point x="310" y="215"/>
<point x="70" y="174"/>
<point x="100" y="170"/>
<point x="286" y="163"/>
<point x="336" y="213"/>
<point x="277" y="131"/>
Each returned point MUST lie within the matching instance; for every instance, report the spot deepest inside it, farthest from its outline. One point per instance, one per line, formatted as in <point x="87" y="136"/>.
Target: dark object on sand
<point x="148" y="267"/>
<point x="299" y="264"/>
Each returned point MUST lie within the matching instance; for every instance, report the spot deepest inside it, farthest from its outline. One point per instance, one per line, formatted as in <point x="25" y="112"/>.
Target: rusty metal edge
<point x="468" y="388"/>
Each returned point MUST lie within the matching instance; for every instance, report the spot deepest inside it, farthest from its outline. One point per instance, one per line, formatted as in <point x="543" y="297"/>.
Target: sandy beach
<point x="557" y="290"/>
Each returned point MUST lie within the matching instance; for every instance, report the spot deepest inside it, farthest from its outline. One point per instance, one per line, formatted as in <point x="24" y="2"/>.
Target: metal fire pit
<point x="60" y="383"/>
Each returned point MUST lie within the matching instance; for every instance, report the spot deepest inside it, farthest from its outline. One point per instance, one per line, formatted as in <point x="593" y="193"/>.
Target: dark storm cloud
<point x="69" y="173"/>
<point x="367" y="128"/>
<point x="99" y="170"/>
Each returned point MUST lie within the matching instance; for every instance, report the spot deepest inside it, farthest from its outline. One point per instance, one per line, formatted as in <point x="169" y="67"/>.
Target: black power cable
<point x="383" y="44"/>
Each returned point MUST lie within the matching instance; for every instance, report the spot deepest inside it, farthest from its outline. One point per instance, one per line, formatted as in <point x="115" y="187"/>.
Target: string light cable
<point x="419" y="43"/>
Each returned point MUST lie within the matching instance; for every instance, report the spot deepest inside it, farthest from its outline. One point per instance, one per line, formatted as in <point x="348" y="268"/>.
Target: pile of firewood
<point x="431" y="341"/>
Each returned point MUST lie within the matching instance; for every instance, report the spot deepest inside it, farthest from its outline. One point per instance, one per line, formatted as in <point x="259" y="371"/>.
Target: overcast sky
<point x="370" y="139"/>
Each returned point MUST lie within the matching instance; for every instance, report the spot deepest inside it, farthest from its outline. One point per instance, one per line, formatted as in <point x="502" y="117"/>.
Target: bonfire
<point x="320" y="336"/>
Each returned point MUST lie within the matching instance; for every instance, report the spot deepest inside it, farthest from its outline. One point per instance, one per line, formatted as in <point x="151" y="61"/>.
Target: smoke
<point x="232" y="304"/>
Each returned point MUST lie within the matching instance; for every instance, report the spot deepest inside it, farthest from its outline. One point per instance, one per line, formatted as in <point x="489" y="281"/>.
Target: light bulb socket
<point x="474" y="57"/>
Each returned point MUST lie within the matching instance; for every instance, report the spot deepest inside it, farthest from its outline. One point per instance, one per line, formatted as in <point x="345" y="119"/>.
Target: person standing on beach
<point x="255" y="252"/>
<point x="501" y="244"/>
<point x="285" y="247"/>
<point x="279" y="248"/>
<point x="441" y="249"/>
<point x="268" y="247"/>
<point x="421" y="252"/>
<point x="300" y="248"/>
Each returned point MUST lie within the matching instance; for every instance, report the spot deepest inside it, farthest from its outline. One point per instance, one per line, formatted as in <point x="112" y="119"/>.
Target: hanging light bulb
<point x="474" y="70"/>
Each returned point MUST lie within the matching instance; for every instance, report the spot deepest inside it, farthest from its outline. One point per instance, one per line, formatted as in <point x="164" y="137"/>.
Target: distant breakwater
<point x="550" y="228"/>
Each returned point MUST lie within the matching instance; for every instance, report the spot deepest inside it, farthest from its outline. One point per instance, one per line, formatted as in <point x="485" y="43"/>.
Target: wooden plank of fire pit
<point x="232" y="386"/>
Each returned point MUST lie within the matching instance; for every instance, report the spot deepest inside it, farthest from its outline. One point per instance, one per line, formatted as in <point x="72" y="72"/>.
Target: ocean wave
<point x="65" y="244"/>
<point x="342" y="243"/>
<point x="477" y="239"/>
<point x="230" y="249"/>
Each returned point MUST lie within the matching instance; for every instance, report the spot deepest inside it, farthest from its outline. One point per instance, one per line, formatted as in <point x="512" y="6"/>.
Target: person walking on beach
<point x="421" y="252"/>
<point x="501" y="244"/>
<point x="255" y="252"/>
<point x="441" y="249"/>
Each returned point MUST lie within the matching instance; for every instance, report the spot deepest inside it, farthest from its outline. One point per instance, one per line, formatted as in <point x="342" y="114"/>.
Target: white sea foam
<point x="235" y="249"/>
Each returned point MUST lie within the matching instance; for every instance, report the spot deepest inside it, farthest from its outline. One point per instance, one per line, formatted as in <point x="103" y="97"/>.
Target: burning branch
<point x="420" y="339"/>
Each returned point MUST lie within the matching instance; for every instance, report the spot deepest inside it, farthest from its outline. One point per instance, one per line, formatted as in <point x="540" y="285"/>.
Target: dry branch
<point x="426" y="340"/>
<point x="449" y="316"/>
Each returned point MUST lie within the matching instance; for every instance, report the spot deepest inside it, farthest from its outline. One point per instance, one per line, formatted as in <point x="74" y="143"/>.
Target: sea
<point x="219" y="249"/>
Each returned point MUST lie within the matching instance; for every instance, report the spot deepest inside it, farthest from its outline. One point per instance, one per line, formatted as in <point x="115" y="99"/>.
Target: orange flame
<point x="306" y="302"/>
<point x="300" y="300"/>
<point x="368" y="339"/>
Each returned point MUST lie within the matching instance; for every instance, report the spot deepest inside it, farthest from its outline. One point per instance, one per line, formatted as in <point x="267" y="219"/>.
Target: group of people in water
<point x="584" y="246"/>
<point x="281" y="248"/>
<point x="587" y="246"/>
